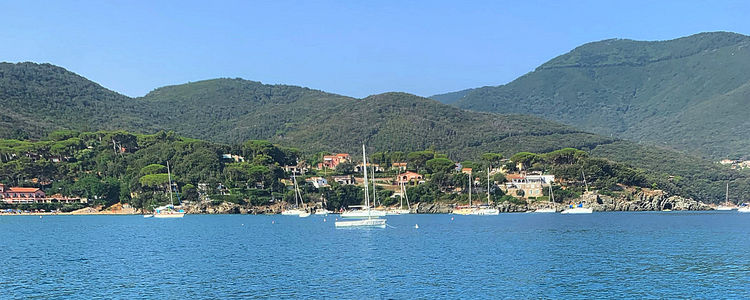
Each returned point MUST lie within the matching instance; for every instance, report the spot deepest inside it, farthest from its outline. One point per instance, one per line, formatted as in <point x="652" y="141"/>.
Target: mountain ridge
<point x="645" y="99"/>
<point x="235" y="110"/>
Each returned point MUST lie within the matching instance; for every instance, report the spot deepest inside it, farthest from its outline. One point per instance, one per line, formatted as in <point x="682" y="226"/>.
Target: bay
<point x="602" y="255"/>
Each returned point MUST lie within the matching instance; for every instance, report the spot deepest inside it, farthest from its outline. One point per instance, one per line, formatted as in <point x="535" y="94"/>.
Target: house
<point x="318" y="182"/>
<point x="343" y="180"/>
<point x="521" y="185"/>
<point x="20" y="195"/>
<point x="232" y="157"/>
<point x="376" y="167"/>
<point x="408" y="177"/>
<point x="399" y="166"/>
<point x="299" y="169"/>
<point x="331" y="161"/>
<point x="17" y="195"/>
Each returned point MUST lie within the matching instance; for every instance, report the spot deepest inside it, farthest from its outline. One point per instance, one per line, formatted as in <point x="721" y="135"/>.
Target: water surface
<point x="602" y="255"/>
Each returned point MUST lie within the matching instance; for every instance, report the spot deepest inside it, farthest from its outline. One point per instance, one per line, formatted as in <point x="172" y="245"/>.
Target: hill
<point x="235" y="110"/>
<point x="689" y="94"/>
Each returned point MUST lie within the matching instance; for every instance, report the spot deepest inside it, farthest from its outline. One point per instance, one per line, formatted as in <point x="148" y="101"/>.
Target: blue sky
<point x="355" y="48"/>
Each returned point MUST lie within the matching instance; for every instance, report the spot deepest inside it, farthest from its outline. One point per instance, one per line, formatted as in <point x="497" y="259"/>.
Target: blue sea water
<point x="602" y="255"/>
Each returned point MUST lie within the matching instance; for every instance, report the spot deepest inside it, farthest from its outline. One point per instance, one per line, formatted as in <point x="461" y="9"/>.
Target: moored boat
<point x="372" y="216"/>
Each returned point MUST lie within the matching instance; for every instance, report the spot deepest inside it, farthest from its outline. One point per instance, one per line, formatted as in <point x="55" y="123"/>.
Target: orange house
<point x="17" y="195"/>
<point x="408" y="177"/>
<point x="331" y="161"/>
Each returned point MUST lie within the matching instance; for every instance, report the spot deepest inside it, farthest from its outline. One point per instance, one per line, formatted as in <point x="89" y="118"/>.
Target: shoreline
<point x="278" y="214"/>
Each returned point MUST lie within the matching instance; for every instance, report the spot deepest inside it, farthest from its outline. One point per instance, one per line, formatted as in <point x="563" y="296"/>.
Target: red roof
<point x="514" y="176"/>
<point x="22" y="190"/>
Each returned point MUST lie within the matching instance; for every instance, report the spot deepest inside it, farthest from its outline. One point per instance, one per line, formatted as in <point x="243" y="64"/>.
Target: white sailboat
<point x="486" y="210"/>
<point x="467" y="210"/>
<point x="744" y="208"/>
<point x="726" y="205"/>
<point x="371" y="220"/>
<point x="550" y="209"/>
<point x="401" y="210"/>
<point x="296" y="211"/>
<point x="168" y="211"/>
<point x="579" y="209"/>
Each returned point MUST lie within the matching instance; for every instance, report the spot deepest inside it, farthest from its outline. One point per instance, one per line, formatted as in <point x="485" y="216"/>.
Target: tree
<point x="345" y="168"/>
<point x="439" y="165"/>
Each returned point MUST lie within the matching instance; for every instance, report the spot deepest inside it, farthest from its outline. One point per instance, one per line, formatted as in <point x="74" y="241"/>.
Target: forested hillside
<point x="38" y="99"/>
<point x="689" y="94"/>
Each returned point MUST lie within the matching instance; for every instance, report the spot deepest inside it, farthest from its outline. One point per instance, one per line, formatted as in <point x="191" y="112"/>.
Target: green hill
<point x="37" y="99"/>
<point x="689" y="94"/>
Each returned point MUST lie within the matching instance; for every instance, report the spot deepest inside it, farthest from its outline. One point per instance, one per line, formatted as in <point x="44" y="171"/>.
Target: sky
<point x="354" y="48"/>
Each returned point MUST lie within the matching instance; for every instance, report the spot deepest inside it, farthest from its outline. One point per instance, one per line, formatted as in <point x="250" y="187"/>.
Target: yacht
<point x="726" y="205"/>
<point x="296" y="211"/>
<point x="486" y="210"/>
<point x="579" y="209"/>
<point x="401" y="210"/>
<point x="370" y="218"/>
<point x="169" y="211"/>
<point x="744" y="208"/>
<point x="551" y="208"/>
<point x="465" y="210"/>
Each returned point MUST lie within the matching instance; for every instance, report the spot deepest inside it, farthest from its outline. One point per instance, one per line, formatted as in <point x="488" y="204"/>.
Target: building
<point x="21" y="195"/>
<point x="400" y="166"/>
<point x="318" y="182"/>
<point x="343" y="180"/>
<point x="299" y="169"/>
<point x="370" y="167"/>
<point x="17" y="195"/>
<point x="331" y="161"/>
<point x="409" y="177"/>
<point x="521" y="185"/>
<point x="232" y="157"/>
<point x="466" y="170"/>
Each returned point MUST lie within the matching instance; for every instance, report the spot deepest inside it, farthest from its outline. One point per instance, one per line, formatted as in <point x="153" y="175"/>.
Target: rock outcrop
<point x="655" y="200"/>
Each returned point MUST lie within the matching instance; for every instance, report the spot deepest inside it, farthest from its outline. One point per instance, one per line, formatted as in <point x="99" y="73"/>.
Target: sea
<point x="640" y="255"/>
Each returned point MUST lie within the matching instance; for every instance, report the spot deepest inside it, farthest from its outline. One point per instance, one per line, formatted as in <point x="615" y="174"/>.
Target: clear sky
<point x="355" y="48"/>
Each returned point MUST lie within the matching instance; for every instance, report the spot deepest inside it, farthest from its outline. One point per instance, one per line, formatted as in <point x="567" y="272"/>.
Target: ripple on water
<point x="634" y="255"/>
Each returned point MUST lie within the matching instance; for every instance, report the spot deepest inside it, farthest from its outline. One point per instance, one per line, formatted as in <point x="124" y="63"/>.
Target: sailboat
<point x="579" y="209"/>
<point x="465" y="210"/>
<point x="371" y="220"/>
<point x="296" y="211"/>
<point x="169" y="211"/>
<point x="551" y="207"/>
<point x="726" y="205"/>
<point x="486" y="210"/>
<point x="401" y="210"/>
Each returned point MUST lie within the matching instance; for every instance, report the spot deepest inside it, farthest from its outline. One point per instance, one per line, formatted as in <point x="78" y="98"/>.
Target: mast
<point x="470" y="182"/>
<point x="726" y="198"/>
<point x="401" y="203"/>
<point x="367" y="192"/>
<point x="374" y="198"/>
<point x="169" y="175"/>
<point x="488" y="186"/>
<point x="584" y="180"/>
<point x="294" y="182"/>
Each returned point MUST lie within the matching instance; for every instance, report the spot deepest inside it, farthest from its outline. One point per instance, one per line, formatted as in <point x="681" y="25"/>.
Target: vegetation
<point x="44" y="98"/>
<point x="687" y="94"/>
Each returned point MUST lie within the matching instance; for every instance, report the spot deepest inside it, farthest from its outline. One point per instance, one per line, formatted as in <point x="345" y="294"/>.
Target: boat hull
<point x="577" y="211"/>
<point x="365" y="223"/>
<point x="359" y="214"/>
<point x="304" y="215"/>
<point x="744" y="209"/>
<point x="397" y="212"/>
<point x="486" y="212"/>
<point x="169" y="216"/>
<point x="545" y="210"/>
<point x="463" y="211"/>
<point x="292" y="212"/>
